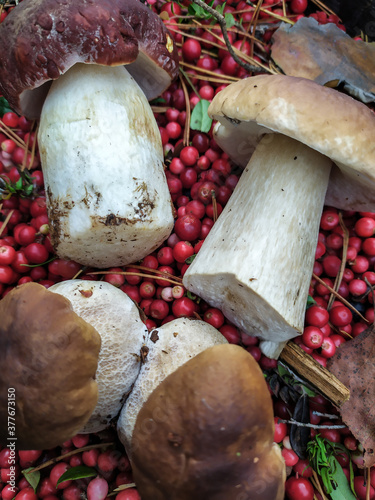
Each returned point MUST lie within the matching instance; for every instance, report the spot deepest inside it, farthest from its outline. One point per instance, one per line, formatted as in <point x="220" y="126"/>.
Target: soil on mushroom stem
<point x="201" y="179"/>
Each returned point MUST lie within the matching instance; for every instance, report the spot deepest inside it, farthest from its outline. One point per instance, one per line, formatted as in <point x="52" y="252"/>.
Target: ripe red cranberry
<point x="290" y="457"/>
<point x="329" y="220"/>
<point x="316" y="316"/>
<point x="328" y="347"/>
<point x="10" y="119"/>
<point x="72" y="492"/>
<point x="129" y="494"/>
<point x="183" y="307"/>
<point x="108" y="460"/>
<point x="214" y="317"/>
<point x="299" y="489"/>
<point x="189" y="156"/>
<point x="26" y="494"/>
<point x="36" y="253"/>
<point x="9" y="492"/>
<point x="90" y="457"/>
<point x="159" y="309"/>
<point x="7" y="254"/>
<point x="188" y="227"/>
<point x="331" y="265"/>
<point x="340" y="316"/>
<point x="55" y="474"/>
<point x="97" y="489"/>
<point x="303" y="468"/>
<point x="365" y="227"/>
<point x="182" y="250"/>
<point x="360" y="487"/>
<point x="191" y="50"/>
<point x="312" y="337"/>
<point x="281" y="430"/>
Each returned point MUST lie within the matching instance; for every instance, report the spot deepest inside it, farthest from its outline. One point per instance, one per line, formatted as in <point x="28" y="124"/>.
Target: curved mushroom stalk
<point x="116" y="318"/>
<point x="256" y="263"/>
<point x="170" y="346"/>
<point x="102" y="158"/>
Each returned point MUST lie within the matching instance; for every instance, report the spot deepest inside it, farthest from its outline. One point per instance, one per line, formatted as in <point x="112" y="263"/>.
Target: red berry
<point x="299" y="489"/>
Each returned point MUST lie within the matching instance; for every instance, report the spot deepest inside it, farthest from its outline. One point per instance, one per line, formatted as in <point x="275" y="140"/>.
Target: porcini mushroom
<point x="48" y="359"/>
<point x="169" y="347"/>
<point x="116" y="317"/>
<point x="206" y="432"/>
<point x="101" y="152"/>
<point x="256" y="263"/>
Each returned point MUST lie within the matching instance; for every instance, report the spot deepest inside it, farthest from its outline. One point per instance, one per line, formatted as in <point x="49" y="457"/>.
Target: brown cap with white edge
<point x="322" y="118"/>
<point x="43" y="39"/>
<point x="48" y="358"/>
<point x="257" y="261"/>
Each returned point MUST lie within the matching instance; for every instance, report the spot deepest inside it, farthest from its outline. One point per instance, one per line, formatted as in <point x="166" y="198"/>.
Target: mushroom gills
<point x="102" y="158"/>
<point x="256" y="263"/>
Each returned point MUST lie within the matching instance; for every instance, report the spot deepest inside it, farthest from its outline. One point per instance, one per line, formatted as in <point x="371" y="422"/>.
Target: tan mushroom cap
<point x="206" y="432"/>
<point x="49" y="356"/>
<point x="42" y="39"/>
<point x="324" y="119"/>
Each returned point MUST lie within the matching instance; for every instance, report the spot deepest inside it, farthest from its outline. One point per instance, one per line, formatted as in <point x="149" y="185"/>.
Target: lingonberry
<point x="191" y="50"/>
<point x="215" y="317"/>
<point x="182" y="250"/>
<point x="340" y="315"/>
<point x="365" y="227"/>
<point x="312" y="337"/>
<point x="299" y="489"/>
<point x="290" y="457"/>
<point x="57" y="471"/>
<point x="188" y="227"/>
<point x="97" y="489"/>
<point x="128" y="494"/>
<point x="26" y="494"/>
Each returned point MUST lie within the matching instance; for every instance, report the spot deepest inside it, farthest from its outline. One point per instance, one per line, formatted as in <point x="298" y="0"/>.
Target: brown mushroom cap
<point x="207" y="432"/>
<point x="322" y="118"/>
<point x="42" y="39"/>
<point x="49" y="356"/>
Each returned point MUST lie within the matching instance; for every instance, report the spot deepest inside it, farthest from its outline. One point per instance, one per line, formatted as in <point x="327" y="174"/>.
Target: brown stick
<point x="310" y="370"/>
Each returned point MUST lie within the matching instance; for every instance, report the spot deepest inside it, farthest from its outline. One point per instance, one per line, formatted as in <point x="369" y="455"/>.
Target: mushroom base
<point x="256" y="263"/>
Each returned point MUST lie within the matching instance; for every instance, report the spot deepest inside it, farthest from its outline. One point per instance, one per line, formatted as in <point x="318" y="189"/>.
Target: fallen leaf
<point x="327" y="55"/>
<point x="354" y="365"/>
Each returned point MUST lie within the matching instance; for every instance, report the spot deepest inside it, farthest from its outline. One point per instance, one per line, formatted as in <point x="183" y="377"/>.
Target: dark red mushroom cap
<point x="42" y="39"/>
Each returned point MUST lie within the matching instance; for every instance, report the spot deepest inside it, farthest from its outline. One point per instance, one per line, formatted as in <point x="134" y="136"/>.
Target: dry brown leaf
<point x="354" y="365"/>
<point x="327" y="55"/>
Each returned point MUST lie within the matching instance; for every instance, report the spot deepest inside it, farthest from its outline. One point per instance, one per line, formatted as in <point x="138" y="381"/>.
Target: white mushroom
<point x="116" y="318"/>
<point x="256" y="263"/>
<point x="102" y="160"/>
<point x="101" y="152"/>
<point x="170" y="346"/>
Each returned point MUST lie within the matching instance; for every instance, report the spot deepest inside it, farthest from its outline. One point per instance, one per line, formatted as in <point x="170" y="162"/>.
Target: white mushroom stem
<point x="102" y="158"/>
<point x="256" y="263"/>
<point x="170" y="346"/>
<point x="116" y="318"/>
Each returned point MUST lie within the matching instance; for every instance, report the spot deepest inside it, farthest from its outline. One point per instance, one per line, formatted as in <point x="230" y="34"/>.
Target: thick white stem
<point x="256" y="263"/>
<point x="102" y="158"/>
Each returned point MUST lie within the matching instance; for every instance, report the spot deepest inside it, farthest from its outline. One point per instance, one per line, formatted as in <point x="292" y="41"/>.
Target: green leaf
<point x="199" y="117"/>
<point x="342" y="490"/>
<point x="32" y="478"/>
<point x="4" y="106"/>
<point x="190" y="259"/>
<point x="310" y="302"/>
<point x="79" y="472"/>
<point x="229" y="19"/>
